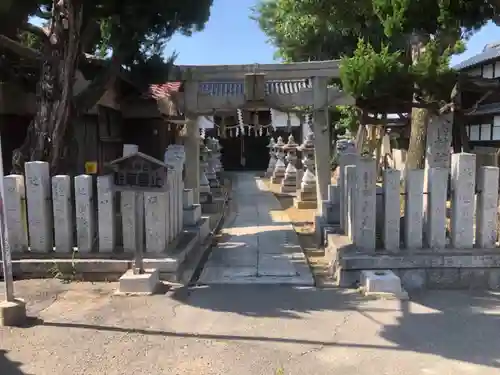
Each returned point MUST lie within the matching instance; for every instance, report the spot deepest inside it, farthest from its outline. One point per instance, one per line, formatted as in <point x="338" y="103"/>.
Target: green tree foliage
<point x="403" y="55"/>
<point x="127" y="34"/>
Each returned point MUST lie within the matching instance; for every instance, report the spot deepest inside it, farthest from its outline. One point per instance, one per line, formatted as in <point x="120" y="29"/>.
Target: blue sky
<point x="231" y="37"/>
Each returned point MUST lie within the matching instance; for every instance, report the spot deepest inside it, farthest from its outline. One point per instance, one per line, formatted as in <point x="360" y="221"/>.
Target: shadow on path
<point x="461" y="326"/>
<point x="8" y="367"/>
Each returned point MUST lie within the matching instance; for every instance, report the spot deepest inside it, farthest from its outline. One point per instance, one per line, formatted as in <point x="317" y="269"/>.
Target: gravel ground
<point x="82" y="328"/>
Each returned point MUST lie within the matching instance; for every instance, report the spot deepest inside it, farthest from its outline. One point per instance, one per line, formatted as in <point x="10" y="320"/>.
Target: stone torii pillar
<point x="321" y="129"/>
<point x="192" y="141"/>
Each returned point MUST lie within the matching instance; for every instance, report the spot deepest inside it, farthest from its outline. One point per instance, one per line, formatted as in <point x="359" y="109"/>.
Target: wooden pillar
<point x="192" y="142"/>
<point x="322" y="145"/>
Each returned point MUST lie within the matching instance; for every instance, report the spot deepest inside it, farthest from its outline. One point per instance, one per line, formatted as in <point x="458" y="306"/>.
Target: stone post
<point x="156" y="212"/>
<point x="280" y="166"/>
<point x="462" y="205"/>
<point x="345" y="159"/>
<point x="128" y="202"/>
<point x="289" y="182"/>
<point x="392" y="211"/>
<point x="486" y="207"/>
<point x="106" y="214"/>
<point x="85" y="213"/>
<point x="437" y="187"/>
<point x="192" y="140"/>
<point x="349" y="189"/>
<point x="414" y="188"/>
<point x="365" y="206"/>
<point x="322" y="145"/>
<point x="39" y="206"/>
<point x="15" y="211"/>
<point x="62" y="202"/>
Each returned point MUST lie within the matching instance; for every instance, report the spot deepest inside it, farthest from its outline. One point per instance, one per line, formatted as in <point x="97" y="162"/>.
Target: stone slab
<point x="146" y="283"/>
<point x="274" y="265"/>
<point x="305" y="205"/>
<point x="12" y="313"/>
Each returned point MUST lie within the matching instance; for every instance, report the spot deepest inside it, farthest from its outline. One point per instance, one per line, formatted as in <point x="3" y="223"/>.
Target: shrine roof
<point x="223" y="88"/>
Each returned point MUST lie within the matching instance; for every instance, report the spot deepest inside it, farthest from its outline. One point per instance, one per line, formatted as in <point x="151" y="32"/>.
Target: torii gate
<point x="253" y="95"/>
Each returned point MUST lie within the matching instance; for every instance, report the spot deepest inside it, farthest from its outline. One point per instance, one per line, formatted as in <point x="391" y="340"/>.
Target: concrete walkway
<point x="258" y="242"/>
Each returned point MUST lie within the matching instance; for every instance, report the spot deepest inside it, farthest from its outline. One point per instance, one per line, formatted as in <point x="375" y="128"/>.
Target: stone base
<point x="307" y="195"/>
<point x="276" y="180"/>
<point x="99" y="266"/>
<point x="305" y="205"/>
<point x="145" y="283"/>
<point x="287" y="189"/>
<point x="12" y="313"/>
<point x="205" y="198"/>
<point x="204" y="189"/>
<point x="418" y="269"/>
<point x="213" y="207"/>
<point x="217" y="191"/>
<point x="381" y="282"/>
<point x="191" y="215"/>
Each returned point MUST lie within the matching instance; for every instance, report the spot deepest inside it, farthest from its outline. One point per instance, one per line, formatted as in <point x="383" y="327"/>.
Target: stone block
<point x="106" y="216"/>
<point x="443" y="278"/>
<point x="365" y="207"/>
<point x="192" y="215"/>
<point x="15" y="212"/>
<point x="473" y="278"/>
<point x="146" y="283"/>
<point x="463" y="200"/>
<point x="435" y="223"/>
<point x="414" y="209"/>
<point x="129" y="149"/>
<point x="413" y="279"/>
<point x="345" y="159"/>
<point x="391" y="209"/>
<point x="380" y="281"/>
<point x="187" y="198"/>
<point x="85" y="213"/>
<point x="156" y="215"/>
<point x="62" y="202"/>
<point x="12" y="313"/>
<point x="486" y="207"/>
<point x="132" y="210"/>
<point x="331" y="212"/>
<point x="349" y="189"/>
<point x="305" y="205"/>
<point x="38" y="195"/>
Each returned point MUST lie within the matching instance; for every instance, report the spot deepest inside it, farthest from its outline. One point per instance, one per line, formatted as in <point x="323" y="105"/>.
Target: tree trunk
<point x="47" y="137"/>
<point x="419" y="118"/>
<point x="418" y="136"/>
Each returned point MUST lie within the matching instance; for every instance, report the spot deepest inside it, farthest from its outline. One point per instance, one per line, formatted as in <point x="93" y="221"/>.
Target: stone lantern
<point x="211" y="163"/>
<point x="289" y="182"/>
<point x="272" y="157"/>
<point x="307" y="195"/>
<point x="280" y="166"/>
<point x="217" y="153"/>
<point x="205" y="194"/>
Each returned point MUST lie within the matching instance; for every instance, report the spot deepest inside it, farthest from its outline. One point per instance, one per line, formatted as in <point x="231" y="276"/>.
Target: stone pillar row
<point x="42" y="212"/>
<point x="374" y="217"/>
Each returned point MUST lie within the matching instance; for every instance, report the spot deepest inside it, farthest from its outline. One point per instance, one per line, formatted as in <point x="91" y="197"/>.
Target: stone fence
<point x="62" y="214"/>
<point x="424" y="227"/>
